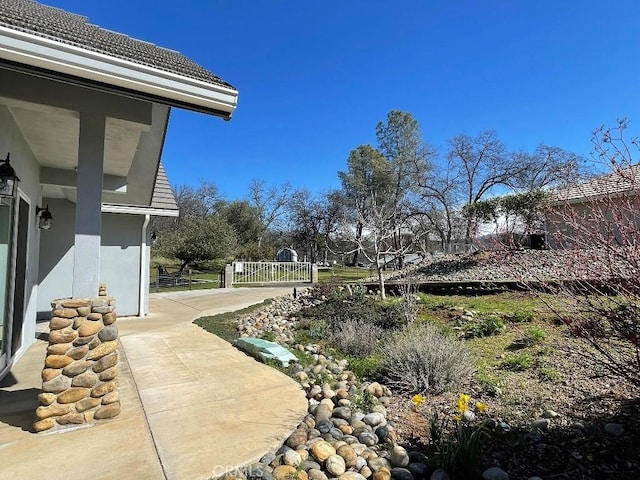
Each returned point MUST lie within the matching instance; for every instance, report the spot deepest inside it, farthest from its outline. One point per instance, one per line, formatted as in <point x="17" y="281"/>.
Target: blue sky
<point x="315" y="77"/>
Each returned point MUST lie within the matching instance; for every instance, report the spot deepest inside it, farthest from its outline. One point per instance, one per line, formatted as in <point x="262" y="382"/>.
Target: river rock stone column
<point x="79" y="379"/>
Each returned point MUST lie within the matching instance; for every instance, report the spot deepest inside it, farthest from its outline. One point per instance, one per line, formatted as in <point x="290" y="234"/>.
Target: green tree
<point x="199" y="239"/>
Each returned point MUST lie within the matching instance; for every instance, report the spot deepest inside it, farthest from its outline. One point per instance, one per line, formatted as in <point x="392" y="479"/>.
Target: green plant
<point x="490" y="383"/>
<point x="534" y="334"/>
<point x="419" y="359"/>
<point x="483" y="326"/>
<point x="269" y="336"/>
<point x="518" y="362"/>
<point x="520" y="316"/>
<point x="550" y="374"/>
<point x="363" y="399"/>
<point x="366" y="367"/>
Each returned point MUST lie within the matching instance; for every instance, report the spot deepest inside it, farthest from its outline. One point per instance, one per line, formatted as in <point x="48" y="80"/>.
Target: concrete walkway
<point x="193" y="406"/>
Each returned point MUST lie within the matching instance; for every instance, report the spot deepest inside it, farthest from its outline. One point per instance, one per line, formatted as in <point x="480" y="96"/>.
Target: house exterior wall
<point x="119" y="258"/>
<point x="28" y="170"/>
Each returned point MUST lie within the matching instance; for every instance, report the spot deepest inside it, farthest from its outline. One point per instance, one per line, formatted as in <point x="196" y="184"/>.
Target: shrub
<point x="418" y="359"/>
<point x="369" y="368"/>
<point x="355" y="337"/>
<point x="484" y="327"/>
<point x="534" y="334"/>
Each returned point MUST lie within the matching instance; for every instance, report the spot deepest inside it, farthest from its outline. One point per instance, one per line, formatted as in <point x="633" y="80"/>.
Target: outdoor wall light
<point x="46" y="220"/>
<point x="8" y="179"/>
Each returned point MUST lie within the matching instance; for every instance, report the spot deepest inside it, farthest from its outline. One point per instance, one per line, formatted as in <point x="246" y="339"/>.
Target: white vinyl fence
<point x="271" y="272"/>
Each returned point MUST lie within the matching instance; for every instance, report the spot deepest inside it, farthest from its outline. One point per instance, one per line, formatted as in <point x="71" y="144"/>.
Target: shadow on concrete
<point x="17" y="407"/>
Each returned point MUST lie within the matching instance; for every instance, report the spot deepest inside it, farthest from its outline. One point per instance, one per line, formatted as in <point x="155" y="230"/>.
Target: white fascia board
<point x="138" y="210"/>
<point x="40" y="52"/>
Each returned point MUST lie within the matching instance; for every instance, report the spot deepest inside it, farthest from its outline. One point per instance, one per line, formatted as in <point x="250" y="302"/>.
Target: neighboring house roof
<point x="82" y="50"/>
<point x="621" y="181"/>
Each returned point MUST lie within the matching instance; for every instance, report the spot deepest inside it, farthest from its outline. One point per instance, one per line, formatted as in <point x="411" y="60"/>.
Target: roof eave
<point x="139" y="210"/>
<point x="71" y="61"/>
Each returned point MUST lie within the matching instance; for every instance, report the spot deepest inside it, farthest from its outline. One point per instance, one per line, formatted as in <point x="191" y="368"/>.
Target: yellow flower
<point x="418" y="400"/>
<point x="481" y="407"/>
<point x="463" y="402"/>
<point x="456" y="417"/>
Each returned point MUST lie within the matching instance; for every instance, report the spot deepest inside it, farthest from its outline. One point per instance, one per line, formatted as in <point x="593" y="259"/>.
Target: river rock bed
<point x="347" y="433"/>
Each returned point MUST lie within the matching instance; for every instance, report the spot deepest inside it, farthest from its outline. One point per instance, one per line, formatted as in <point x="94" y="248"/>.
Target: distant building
<point x="286" y="255"/>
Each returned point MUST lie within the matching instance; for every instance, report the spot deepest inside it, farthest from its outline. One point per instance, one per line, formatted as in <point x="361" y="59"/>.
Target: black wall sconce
<point x="8" y="180"/>
<point x="46" y="219"/>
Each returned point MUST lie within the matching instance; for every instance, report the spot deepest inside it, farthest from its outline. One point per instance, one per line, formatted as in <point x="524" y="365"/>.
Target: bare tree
<point x="597" y="227"/>
<point x="271" y="203"/>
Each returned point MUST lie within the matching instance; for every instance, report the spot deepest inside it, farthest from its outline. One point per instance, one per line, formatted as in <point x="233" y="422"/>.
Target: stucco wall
<point x="119" y="258"/>
<point x="28" y="170"/>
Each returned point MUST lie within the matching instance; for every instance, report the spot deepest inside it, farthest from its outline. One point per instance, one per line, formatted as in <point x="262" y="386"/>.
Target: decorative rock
<point x="399" y="457"/>
<point x="109" y="333"/>
<point x="96" y="316"/>
<point x="418" y="470"/>
<point x="351" y="476"/>
<point x="284" y="472"/>
<point x="78" y="352"/>
<point x="549" y="414"/>
<point x="42" y="425"/>
<point x="335" y="465"/>
<point x="71" y="418"/>
<point x="316" y="474"/>
<point x="258" y="471"/>
<point x="73" y="395"/>
<point x="307" y="465"/>
<point x="323" y="412"/>
<point x="57" y="385"/>
<point x="342" y="412"/>
<point x="87" y="403"/>
<point x="375" y="389"/>
<point x="106" y="362"/>
<point x="84" y="341"/>
<point x="401" y="474"/>
<point x="109" y="318"/>
<point x="382" y="433"/>
<point x="108" y="374"/>
<point x="299" y="437"/>
<point x="495" y="473"/>
<point x="107" y="411"/>
<point x="57" y="361"/>
<point x="76" y="368"/>
<point x="367" y="438"/>
<point x="103" y="389"/>
<point x="111" y="398"/>
<point x="542" y="424"/>
<point x="75" y="303"/>
<point x="86" y="379"/>
<point x="90" y="328"/>
<point x="378" y="463"/>
<point x="65" y="312"/>
<point x="83" y="311"/>
<point x="366" y="472"/>
<point x="46" y="398"/>
<point x="58" y="323"/>
<point x="439" y="474"/>
<point x="322" y="450"/>
<point x="101" y="350"/>
<point x="373" y="419"/>
<point x="54" y="410"/>
<point x="58" y="348"/>
<point x="77" y="323"/>
<point x="324" y="426"/>
<point x="615" y="429"/>
<point x="50" y="374"/>
<point x="468" y="416"/>
<point x="292" y="458"/>
<point x="348" y="454"/>
<point x="417" y="457"/>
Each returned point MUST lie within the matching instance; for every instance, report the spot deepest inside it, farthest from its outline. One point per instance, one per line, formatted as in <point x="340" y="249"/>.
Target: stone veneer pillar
<point x="79" y="379"/>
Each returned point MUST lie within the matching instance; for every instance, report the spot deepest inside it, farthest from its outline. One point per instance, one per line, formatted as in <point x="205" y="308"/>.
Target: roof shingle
<point x="65" y="27"/>
<point x="622" y="180"/>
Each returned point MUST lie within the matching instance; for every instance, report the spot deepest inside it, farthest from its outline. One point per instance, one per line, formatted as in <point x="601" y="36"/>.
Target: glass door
<point x="6" y="234"/>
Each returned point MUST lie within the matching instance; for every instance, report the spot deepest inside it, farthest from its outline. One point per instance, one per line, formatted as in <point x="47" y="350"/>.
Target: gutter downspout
<point x="143" y="268"/>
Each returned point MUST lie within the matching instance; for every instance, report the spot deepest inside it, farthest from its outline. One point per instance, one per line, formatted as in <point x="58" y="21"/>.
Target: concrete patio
<point x="193" y="406"/>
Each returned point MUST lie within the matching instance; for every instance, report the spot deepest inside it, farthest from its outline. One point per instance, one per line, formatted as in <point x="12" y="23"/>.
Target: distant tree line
<point x="401" y="195"/>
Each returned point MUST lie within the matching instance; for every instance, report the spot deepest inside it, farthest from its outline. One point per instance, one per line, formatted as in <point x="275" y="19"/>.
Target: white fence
<point x="271" y="272"/>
